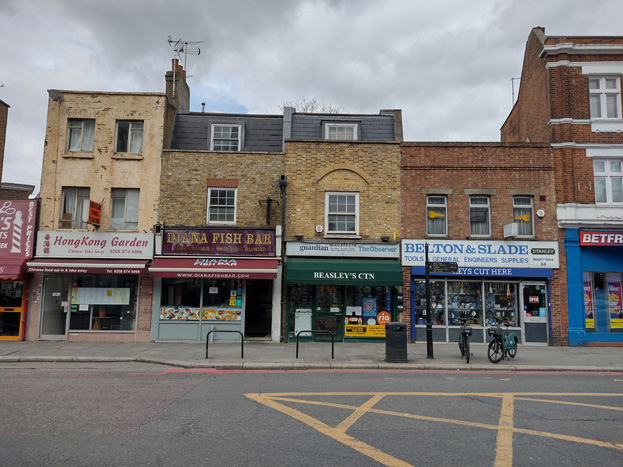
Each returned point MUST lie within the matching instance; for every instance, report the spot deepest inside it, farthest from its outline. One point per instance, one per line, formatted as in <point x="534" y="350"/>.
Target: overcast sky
<point x="447" y="64"/>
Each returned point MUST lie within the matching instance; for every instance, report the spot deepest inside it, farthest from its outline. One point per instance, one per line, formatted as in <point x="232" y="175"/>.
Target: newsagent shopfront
<point x="594" y="274"/>
<point x="17" y="234"/>
<point x="87" y="286"/>
<point x="348" y="289"/>
<point x="495" y="280"/>
<point x="218" y="283"/>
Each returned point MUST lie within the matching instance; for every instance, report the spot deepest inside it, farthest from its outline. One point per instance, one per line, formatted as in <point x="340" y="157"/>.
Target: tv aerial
<point x="186" y="47"/>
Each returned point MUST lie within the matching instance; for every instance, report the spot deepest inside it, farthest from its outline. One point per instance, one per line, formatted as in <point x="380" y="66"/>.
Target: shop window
<point x="124" y="209"/>
<point x="608" y="180"/>
<point x="464" y="303"/>
<point x="80" y="135"/>
<point x="222" y="205"/>
<point x="436" y="215"/>
<point x="364" y="303"/>
<point x="301" y="303"/>
<point x="201" y="300"/>
<point x="342" y="213"/>
<point x="523" y="215"/>
<point x="226" y="137"/>
<point x="129" y="136"/>
<point x="103" y="302"/>
<point x="501" y="303"/>
<point x="75" y="205"/>
<point x="479" y="216"/>
<point x="437" y="301"/>
<point x="341" y="131"/>
<point x="605" y="97"/>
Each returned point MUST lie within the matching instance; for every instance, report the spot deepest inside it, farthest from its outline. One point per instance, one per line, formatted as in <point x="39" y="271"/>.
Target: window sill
<point x="78" y="155"/>
<point x="128" y="156"/>
<point x="343" y="236"/>
<point x="614" y="125"/>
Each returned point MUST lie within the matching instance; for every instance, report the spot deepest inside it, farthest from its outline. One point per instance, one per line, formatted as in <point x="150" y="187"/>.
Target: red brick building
<point x="458" y="199"/>
<point x="570" y="98"/>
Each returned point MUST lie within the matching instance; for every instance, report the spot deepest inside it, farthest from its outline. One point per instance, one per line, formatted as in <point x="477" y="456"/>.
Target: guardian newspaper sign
<point x="343" y="249"/>
<point x="485" y="258"/>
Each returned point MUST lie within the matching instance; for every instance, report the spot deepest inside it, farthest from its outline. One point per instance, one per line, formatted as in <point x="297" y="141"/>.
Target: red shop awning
<point x="86" y="266"/>
<point x="12" y="268"/>
<point x="214" y="268"/>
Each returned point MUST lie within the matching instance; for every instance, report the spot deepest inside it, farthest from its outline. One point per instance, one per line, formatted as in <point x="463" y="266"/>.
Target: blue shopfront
<point x="594" y="276"/>
<point x="496" y="280"/>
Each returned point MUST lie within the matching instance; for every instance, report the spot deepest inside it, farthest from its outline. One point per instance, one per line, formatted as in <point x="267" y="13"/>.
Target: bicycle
<point x="503" y="344"/>
<point x="466" y="332"/>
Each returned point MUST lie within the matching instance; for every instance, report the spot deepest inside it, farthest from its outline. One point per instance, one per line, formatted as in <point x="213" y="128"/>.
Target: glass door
<point x="535" y="319"/>
<point x="54" y="306"/>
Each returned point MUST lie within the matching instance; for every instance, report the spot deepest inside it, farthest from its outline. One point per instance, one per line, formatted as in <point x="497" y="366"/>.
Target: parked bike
<point x="466" y="332"/>
<point x="503" y="344"/>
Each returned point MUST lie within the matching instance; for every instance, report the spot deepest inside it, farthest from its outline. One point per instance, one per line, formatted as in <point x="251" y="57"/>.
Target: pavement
<point x="265" y="355"/>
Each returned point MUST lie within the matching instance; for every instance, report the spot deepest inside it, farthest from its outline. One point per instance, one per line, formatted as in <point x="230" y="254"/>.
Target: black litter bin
<point x="396" y="342"/>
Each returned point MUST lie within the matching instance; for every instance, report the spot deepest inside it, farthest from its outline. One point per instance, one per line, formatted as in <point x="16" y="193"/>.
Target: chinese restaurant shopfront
<point x="87" y="286"/>
<point x="17" y="234"/>
<point x="595" y="270"/>
<point x="496" y="280"/>
<point x="216" y="280"/>
<point x="349" y="289"/>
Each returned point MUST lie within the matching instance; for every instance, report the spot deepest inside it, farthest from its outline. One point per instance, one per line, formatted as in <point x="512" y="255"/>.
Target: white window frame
<point x="329" y="214"/>
<point x="433" y="212"/>
<point x="130" y="198"/>
<point x="599" y="96"/>
<point x="520" y="210"/>
<point x="332" y="131"/>
<point x="222" y="138"/>
<point x="74" y="209"/>
<point x="211" y="208"/>
<point x="608" y="181"/>
<point x="134" y="142"/>
<point x="82" y="131"/>
<point x="479" y="207"/>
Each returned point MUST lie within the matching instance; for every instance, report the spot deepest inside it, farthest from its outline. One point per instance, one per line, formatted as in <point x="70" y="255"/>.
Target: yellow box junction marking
<point x="505" y="426"/>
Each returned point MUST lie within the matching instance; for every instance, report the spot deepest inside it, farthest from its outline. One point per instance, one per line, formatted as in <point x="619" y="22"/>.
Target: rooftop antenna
<point x="187" y="47"/>
<point x="513" y="88"/>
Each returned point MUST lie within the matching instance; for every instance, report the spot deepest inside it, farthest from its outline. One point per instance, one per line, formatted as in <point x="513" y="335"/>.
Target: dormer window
<point x="226" y="137"/>
<point x="340" y="131"/>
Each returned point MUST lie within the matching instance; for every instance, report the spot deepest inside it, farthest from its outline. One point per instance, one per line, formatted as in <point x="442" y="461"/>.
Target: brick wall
<point x="499" y="170"/>
<point x="184" y="186"/>
<point x="371" y="169"/>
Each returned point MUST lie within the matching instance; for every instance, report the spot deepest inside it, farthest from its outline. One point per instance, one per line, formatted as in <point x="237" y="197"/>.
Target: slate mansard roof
<point x="267" y="133"/>
<point x="261" y="133"/>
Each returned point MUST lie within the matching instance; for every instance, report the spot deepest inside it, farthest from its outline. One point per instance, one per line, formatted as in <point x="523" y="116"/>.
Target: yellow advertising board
<point x="358" y="330"/>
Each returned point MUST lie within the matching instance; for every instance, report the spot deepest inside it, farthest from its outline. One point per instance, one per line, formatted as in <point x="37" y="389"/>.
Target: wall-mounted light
<point x="299" y="236"/>
<point x="385" y="238"/>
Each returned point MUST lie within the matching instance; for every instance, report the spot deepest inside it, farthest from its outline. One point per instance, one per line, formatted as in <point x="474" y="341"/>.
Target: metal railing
<point x="226" y="330"/>
<point x="317" y="332"/>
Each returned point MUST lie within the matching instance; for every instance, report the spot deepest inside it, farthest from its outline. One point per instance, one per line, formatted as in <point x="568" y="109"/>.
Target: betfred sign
<point x="601" y="238"/>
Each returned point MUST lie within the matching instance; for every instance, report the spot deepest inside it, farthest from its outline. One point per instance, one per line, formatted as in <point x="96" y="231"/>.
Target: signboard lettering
<point x="219" y="242"/>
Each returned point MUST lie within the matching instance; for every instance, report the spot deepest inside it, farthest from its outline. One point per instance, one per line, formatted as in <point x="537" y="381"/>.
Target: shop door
<point x="53" y="311"/>
<point x="329" y="313"/>
<point x="258" y="310"/>
<point x="534" y="315"/>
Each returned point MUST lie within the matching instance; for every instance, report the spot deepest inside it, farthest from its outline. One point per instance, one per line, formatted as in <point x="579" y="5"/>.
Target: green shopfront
<point x="348" y="289"/>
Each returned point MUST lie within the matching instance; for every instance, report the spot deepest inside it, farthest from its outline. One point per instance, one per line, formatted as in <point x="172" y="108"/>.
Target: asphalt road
<point x="150" y="415"/>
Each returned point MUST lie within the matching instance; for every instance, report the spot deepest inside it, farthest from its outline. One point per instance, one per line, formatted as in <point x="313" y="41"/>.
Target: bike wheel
<point x="495" y="351"/>
<point x="466" y="349"/>
<point x="461" y="348"/>
<point x="512" y="352"/>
